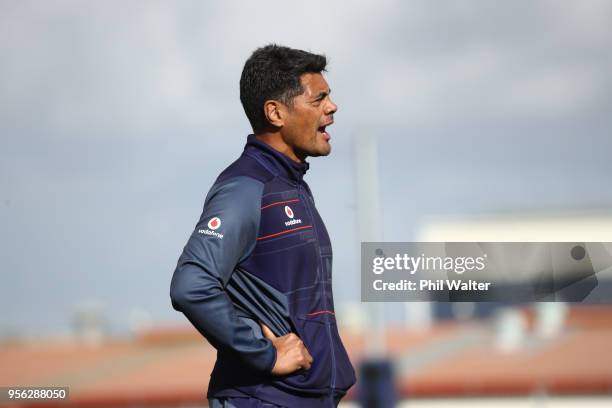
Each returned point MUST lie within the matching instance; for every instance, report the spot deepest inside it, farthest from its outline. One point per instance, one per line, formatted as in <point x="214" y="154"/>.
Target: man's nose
<point x="331" y="108"/>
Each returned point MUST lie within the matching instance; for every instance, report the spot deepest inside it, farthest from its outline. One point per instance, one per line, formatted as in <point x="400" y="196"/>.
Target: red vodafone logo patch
<point x="289" y="211"/>
<point x="214" y="223"/>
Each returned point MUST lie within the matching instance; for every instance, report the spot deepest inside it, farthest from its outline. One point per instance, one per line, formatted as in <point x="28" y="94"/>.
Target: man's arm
<point x="225" y="235"/>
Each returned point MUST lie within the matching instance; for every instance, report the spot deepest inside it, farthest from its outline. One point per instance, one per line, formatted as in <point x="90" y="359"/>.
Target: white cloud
<point x="137" y="67"/>
<point x="132" y="98"/>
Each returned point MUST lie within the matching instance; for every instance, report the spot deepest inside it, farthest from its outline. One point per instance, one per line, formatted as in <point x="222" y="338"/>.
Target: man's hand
<point x="291" y="355"/>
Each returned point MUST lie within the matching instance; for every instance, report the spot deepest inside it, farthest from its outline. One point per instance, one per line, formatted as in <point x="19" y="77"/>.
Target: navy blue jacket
<point x="260" y="253"/>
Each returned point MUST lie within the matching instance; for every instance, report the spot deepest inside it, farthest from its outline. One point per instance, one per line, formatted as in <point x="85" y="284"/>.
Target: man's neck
<point x="275" y="140"/>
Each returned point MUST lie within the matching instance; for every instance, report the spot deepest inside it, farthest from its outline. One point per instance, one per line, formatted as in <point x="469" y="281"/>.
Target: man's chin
<point x="322" y="151"/>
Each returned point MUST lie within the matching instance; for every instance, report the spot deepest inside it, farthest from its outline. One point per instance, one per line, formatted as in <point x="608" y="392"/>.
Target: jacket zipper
<point x="327" y="324"/>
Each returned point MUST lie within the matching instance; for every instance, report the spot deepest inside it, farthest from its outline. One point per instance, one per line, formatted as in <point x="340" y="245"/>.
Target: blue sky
<point x="116" y="117"/>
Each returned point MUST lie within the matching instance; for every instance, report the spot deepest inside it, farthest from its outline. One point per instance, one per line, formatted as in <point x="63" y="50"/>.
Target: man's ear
<point x="275" y="113"/>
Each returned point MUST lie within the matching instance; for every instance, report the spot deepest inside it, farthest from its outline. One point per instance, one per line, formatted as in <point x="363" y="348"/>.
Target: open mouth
<point x="324" y="133"/>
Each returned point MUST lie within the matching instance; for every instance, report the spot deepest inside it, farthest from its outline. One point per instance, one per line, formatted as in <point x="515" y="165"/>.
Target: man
<point x="255" y="275"/>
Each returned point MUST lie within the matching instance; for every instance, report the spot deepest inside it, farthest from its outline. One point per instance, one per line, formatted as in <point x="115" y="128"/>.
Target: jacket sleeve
<point x="225" y="235"/>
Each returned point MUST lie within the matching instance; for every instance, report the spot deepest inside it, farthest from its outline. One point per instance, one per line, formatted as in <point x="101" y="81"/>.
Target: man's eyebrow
<point x="322" y="94"/>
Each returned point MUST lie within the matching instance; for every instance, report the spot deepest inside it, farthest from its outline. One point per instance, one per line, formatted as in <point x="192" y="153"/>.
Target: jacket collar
<point x="282" y="164"/>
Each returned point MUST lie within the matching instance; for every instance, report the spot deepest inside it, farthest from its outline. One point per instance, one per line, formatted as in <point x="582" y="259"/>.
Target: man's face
<point x="304" y="129"/>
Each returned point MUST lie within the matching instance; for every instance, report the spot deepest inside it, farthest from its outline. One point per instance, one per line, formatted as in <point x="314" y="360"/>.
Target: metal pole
<point x="376" y="386"/>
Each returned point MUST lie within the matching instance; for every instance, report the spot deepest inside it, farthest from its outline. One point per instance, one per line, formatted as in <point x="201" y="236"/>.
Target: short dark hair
<point x="273" y="72"/>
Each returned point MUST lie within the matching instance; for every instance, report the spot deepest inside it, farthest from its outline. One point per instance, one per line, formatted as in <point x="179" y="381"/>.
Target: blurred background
<point x="481" y="121"/>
